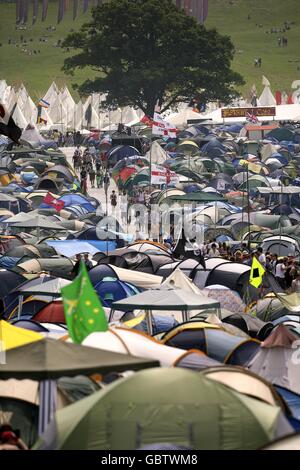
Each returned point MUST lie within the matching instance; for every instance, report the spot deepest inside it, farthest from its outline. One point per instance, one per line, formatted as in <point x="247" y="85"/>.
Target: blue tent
<point x="111" y="289"/>
<point x="291" y="398"/>
<point x="119" y="152"/>
<point x="76" y="200"/>
<point x="99" y="272"/>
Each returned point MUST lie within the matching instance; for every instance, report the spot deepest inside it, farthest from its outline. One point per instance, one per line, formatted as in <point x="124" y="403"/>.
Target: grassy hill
<point x="280" y="65"/>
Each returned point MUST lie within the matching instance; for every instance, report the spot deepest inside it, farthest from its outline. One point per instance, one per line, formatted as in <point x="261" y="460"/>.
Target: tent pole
<point x="149" y="322"/>
<point x="20" y="304"/>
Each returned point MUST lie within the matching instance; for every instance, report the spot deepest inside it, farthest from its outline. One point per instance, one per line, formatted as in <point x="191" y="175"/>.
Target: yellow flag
<point x="257" y="272"/>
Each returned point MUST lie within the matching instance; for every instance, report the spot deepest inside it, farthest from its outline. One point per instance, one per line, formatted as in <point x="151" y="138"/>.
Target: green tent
<point x="165" y="405"/>
<point x="51" y="359"/>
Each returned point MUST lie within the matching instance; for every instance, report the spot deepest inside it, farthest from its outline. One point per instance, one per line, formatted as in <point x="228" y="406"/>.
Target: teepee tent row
<point x="59" y="108"/>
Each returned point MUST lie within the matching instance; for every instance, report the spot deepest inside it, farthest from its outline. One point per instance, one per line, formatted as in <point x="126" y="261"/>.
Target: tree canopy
<point x="149" y="51"/>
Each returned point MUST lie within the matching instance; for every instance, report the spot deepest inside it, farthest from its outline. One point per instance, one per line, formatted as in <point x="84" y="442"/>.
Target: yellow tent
<point x="13" y="337"/>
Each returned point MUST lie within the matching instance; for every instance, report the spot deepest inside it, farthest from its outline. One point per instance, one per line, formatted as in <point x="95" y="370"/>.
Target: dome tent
<point x="162" y="410"/>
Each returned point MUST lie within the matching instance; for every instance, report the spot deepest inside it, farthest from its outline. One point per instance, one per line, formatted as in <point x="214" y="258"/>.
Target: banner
<point x="242" y="112"/>
<point x="162" y="175"/>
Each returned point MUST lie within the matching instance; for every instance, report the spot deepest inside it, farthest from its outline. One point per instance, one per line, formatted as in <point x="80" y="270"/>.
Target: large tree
<point x="149" y="50"/>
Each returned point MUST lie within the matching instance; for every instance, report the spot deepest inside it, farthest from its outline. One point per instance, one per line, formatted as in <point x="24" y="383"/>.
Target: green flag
<point x="257" y="272"/>
<point x="83" y="310"/>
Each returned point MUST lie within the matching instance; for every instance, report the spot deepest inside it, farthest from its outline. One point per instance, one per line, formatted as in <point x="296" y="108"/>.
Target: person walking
<point x="280" y="273"/>
<point x="92" y="175"/>
<point x="83" y="180"/>
<point x="99" y="177"/>
<point x="124" y="207"/>
<point x="113" y="201"/>
<point x="106" y="181"/>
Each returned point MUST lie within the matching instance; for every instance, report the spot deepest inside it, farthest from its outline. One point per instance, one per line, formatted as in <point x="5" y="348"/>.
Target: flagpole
<point x="248" y="210"/>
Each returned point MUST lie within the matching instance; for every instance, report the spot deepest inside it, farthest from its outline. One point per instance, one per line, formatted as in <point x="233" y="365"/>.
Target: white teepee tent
<point x="266" y="98"/>
<point x="19" y="118"/>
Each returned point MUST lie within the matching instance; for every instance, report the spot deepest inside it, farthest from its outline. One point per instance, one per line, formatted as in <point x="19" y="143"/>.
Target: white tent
<point x="266" y="98"/>
<point x="130" y="342"/>
<point x="51" y="93"/>
<point x="181" y="118"/>
<point x="156" y="153"/>
<point x="3" y="86"/>
<point x="57" y="112"/>
<point x="19" y="118"/>
<point x="129" y="116"/>
<point x="90" y="118"/>
<point x="10" y="98"/>
<point x="68" y="103"/>
<point x="180" y="280"/>
<point x="78" y="116"/>
<point x="29" y="110"/>
<point x="22" y="96"/>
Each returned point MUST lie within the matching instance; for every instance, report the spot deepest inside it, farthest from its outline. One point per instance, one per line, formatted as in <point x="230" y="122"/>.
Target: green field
<point x="279" y="65"/>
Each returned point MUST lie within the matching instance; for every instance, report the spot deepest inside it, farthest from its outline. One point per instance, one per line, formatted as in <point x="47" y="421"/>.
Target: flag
<point x="250" y="117"/>
<point x="41" y="120"/>
<point x="8" y="126"/>
<point x="257" y="272"/>
<point x="55" y="203"/>
<point x="163" y="128"/>
<point x="147" y="120"/>
<point x="83" y="310"/>
<point x="43" y="103"/>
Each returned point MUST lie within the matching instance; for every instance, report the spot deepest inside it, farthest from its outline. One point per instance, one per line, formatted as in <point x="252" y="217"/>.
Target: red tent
<point x="52" y="313"/>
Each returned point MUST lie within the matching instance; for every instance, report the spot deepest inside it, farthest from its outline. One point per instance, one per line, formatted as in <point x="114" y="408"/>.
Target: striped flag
<point x="163" y="128"/>
<point x="43" y="103"/>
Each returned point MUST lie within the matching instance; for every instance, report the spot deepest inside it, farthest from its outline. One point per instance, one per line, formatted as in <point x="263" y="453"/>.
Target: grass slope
<point x="230" y="17"/>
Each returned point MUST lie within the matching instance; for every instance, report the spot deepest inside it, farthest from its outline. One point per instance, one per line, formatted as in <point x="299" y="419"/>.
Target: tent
<point x="244" y="381"/>
<point x="278" y="359"/>
<point x="213" y="341"/>
<point x="198" y="197"/>
<point x="132" y="342"/>
<point x="51" y="359"/>
<point x="162" y="411"/>
<point x="138" y="279"/>
<point x="13" y="337"/>
<point x="165" y="299"/>
<point x="111" y="290"/>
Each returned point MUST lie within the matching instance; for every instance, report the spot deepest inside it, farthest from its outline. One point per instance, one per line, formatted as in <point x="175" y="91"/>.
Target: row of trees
<point x="149" y="51"/>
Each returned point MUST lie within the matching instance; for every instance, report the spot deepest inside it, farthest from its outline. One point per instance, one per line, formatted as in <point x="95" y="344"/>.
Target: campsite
<point x="149" y="267"/>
